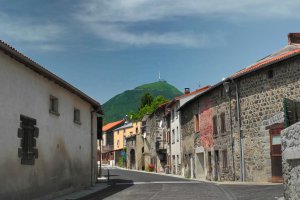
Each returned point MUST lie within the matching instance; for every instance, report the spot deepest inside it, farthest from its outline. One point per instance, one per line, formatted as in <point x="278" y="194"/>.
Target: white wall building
<point x="48" y="131"/>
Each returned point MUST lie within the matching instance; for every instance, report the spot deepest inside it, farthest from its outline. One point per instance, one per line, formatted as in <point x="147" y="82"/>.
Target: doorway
<point x="199" y="165"/>
<point x="132" y="159"/>
<point x="216" y="165"/>
<point x="275" y="152"/>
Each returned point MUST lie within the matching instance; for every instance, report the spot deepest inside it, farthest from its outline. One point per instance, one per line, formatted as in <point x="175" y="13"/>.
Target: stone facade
<point x="290" y="138"/>
<point x="156" y="138"/>
<point x="261" y="95"/>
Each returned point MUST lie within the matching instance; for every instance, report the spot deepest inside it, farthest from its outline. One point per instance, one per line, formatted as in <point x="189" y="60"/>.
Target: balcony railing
<point x="107" y="148"/>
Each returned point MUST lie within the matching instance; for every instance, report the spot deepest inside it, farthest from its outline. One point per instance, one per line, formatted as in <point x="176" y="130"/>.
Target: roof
<point x="287" y="52"/>
<point x="112" y="125"/>
<point x="12" y="52"/>
<point x="124" y="126"/>
<point x="186" y="97"/>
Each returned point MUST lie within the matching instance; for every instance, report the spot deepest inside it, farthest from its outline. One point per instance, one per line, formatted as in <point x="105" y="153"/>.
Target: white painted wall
<point x="64" y="148"/>
<point x="176" y="145"/>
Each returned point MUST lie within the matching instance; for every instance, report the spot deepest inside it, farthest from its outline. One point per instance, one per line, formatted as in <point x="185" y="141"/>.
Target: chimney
<point x="186" y="90"/>
<point x="294" y="38"/>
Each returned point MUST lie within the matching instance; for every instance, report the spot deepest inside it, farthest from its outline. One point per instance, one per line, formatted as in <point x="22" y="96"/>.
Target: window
<point x="177" y="133"/>
<point x="53" y="105"/>
<point x="224" y="155"/>
<point x="173" y="136"/>
<point x="136" y="130"/>
<point x="223" y="125"/>
<point x="124" y="141"/>
<point x="28" y="132"/>
<point x="215" y="130"/>
<point x="197" y="123"/>
<point x="270" y="74"/>
<point x="173" y="114"/>
<point x="77" y="116"/>
<point x="143" y="149"/>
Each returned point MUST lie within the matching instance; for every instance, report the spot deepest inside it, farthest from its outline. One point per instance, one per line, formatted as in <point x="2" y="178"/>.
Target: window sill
<point x="54" y="113"/>
<point x="77" y="122"/>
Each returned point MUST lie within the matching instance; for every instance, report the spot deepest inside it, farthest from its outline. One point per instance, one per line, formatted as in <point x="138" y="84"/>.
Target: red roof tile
<point x="267" y="61"/>
<point x="194" y="92"/>
<point x="112" y="125"/>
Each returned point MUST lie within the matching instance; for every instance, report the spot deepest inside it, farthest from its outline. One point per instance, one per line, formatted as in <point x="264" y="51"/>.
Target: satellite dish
<point x="144" y="135"/>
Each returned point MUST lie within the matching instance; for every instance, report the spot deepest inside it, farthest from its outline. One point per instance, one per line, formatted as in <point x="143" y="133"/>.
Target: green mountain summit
<point x="120" y="105"/>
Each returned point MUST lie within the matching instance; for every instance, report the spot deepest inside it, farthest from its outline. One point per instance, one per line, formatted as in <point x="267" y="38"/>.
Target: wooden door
<point x="276" y="158"/>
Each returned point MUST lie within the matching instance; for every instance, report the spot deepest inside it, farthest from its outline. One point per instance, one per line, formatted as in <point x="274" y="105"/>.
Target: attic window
<point x="270" y="74"/>
<point x="53" y="107"/>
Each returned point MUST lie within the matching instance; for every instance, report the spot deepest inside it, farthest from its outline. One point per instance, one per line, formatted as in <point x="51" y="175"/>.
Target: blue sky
<point x="107" y="46"/>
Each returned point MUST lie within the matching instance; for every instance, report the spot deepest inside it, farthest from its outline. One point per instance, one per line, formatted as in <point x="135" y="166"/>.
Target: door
<point x="217" y="167"/>
<point x="276" y="158"/>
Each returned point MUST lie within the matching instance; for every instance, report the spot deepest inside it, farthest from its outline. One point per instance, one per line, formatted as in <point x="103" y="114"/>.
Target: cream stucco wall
<point x="66" y="151"/>
<point x="126" y="130"/>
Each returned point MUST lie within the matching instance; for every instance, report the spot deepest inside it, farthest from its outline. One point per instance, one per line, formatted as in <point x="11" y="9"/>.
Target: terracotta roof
<point x="112" y="125"/>
<point x="15" y="54"/>
<point x="193" y="93"/>
<point x="287" y="52"/>
<point x="283" y="54"/>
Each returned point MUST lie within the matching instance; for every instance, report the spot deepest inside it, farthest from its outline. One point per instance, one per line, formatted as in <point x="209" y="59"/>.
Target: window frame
<point x="215" y="125"/>
<point x="76" y="115"/>
<point x="197" y="123"/>
<point x="223" y="122"/>
<point x="54" y="105"/>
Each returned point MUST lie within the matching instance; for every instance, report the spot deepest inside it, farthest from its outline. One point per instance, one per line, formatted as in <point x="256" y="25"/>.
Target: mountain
<point x="120" y="105"/>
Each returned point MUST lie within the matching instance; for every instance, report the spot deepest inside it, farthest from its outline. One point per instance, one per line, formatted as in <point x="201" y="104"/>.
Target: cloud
<point x="42" y="36"/>
<point x="121" y="35"/>
<point x="113" y="19"/>
<point x="145" y="10"/>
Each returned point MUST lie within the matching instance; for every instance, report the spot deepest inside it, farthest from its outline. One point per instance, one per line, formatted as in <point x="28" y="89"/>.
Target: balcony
<point x="107" y="148"/>
<point x="161" y="146"/>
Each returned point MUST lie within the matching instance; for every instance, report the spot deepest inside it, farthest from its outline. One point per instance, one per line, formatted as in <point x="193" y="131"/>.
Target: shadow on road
<point x="115" y="183"/>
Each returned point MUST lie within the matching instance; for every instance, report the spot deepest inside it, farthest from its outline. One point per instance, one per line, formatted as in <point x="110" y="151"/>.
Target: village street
<point x="139" y="185"/>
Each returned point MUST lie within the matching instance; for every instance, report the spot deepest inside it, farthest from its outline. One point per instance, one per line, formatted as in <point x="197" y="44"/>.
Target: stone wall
<point x="261" y="99"/>
<point x="290" y="138"/>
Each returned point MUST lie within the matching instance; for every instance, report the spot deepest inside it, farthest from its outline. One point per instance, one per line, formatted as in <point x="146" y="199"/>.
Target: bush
<point x="151" y="168"/>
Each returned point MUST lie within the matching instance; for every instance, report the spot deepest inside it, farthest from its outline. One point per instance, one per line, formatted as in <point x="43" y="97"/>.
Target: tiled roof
<point x="112" y="125"/>
<point x="15" y="54"/>
<point x="193" y="93"/>
<point x="287" y="52"/>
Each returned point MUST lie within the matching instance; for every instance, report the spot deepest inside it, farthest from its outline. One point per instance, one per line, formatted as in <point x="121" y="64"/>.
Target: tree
<point x="146" y="100"/>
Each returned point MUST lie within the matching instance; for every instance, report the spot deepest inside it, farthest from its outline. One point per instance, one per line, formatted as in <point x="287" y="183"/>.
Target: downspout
<point x="231" y="137"/>
<point x="92" y="148"/>
<point x="242" y="160"/>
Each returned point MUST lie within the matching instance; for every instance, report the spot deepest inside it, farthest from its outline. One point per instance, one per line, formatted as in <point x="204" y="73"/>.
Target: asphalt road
<point x="131" y="185"/>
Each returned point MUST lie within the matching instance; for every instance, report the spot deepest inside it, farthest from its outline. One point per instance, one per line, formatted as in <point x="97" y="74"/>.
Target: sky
<point x="104" y="47"/>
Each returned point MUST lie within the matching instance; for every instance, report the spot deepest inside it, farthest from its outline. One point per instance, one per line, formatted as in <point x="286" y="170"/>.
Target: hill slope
<point x="120" y="105"/>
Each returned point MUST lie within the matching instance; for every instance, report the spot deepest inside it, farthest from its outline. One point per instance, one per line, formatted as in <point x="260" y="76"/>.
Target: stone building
<point x="240" y="118"/>
<point x="135" y="150"/>
<point x="189" y="132"/>
<point x="156" y="138"/>
<point x="291" y="160"/>
<point x="48" y="131"/>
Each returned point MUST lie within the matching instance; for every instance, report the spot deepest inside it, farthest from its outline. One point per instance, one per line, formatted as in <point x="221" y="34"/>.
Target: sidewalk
<point x="101" y="185"/>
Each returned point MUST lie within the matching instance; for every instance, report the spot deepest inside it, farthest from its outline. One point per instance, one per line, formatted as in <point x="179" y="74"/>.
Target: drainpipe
<point x="242" y="159"/>
<point x="231" y="136"/>
<point x="92" y="148"/>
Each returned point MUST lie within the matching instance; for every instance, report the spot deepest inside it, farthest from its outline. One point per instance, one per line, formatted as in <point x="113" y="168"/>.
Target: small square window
<point x="270" y="74"/>
<point x="77" y="116"/>
<point x="53" y="107"/>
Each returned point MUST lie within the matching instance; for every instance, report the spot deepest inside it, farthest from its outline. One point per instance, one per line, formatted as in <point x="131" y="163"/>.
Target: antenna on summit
<point x="158" y="76"/>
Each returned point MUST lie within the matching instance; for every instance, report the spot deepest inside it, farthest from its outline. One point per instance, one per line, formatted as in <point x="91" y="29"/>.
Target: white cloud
<point x="113" y="19"/>
<point x="42" y="36"/>
<point x="145" y="10"/>
<point x="121" y="35"/>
